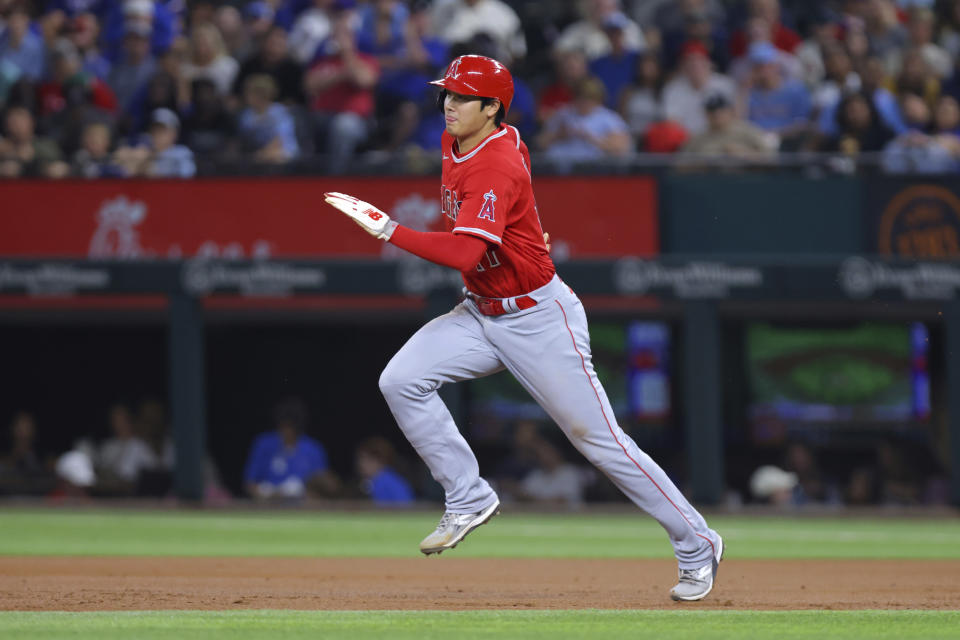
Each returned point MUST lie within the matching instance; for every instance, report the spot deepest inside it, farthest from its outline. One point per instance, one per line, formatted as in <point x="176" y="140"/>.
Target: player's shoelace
<point x="447" y="520"/>
<point x="692" y="576"/>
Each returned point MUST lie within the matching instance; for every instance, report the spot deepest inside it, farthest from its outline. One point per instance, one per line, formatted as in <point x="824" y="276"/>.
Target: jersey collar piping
<point x="456" y="158"/>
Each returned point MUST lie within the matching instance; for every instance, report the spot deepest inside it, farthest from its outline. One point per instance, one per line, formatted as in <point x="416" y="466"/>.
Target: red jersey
<point x="488" y="193"/>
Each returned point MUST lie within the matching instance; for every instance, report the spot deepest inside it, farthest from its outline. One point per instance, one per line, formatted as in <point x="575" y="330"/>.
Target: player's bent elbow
<point x="472" y="250"/>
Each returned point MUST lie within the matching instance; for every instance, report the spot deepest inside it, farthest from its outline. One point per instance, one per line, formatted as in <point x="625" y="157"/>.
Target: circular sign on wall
<point x="922" y="221"/>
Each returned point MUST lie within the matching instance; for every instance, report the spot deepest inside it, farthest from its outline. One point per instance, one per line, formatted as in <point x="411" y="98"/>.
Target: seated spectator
<point x="569" y="69"/>
<point x="76" y="476"/>
<point x="21" y="46"/>
<point x="684" y="95"/>
<point x="858" y="127"/>
<point x="312" y="27"/>
<point x="759" y="34"/>
<point x="462" y="20"/>
<point x="271" y="57"/>
<point x="152" y="424"/>
<point x="824" y="36"/>
<point x="374" y="459"/>
<point x="135" y="67"/>
<point x="155" y="19"/>
<point x="587" y="35"/>
<point x="585" y="130"/>
<point x="946" y="116"/>
<point x="229" y="23"/>
<point x="616" y="68"/>
<point x="883" y="29"/>
<point x="209" y="58"/>
<point x="772" y="485"/>
<point x="554" y="480"/>
<point x="918" y="151"/>
<point x="861" y="488"/>
<point x="340" y="88"/>
<point x="94" y="158"/>
<point x="696" y="25"/>
<point x="382" y="24"/>
<point x="839" y="79"/>
<point x="208" y="128"/>
<point x="728" y="135"/>
<point x="72" y="97"/>
<point x="286" y="463"/>
<point x="25" y="154"/>
<point x="772" y="103"/>
<point x="84" y="30"/>
<point x="813" y="484"/>
<point x="266" y="128"/>
<point x="641" y="102"/>
<point x="122" y="456"/>
<point x="920" y="39"/>
<point x="781" y="36"/>
<point x="157" y="481"/>
<point x="258" y="21"/>
<point x="854" y="39"/>
<point x="916" y="77"/>
<point x="160" y="92"/>
<point x="23" y="471"/>
<point x="873" y="79"/>
<point x="159" y="156"/>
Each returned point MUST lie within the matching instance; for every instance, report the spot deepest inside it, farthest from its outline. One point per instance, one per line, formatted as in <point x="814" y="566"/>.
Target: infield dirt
<point x="137" y="583"/>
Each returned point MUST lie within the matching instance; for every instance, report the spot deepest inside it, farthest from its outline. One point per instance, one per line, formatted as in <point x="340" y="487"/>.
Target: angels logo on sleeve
<point x="487" y="210"/>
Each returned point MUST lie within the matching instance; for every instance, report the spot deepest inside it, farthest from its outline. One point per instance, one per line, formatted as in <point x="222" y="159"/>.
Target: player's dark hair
<point x="497" y="120"/>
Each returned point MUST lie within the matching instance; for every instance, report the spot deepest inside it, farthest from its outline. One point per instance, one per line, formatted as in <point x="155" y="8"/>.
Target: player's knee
<point x="398" y="382"/>
<point x="386" y="381"/>
<point x="392" y="381"/>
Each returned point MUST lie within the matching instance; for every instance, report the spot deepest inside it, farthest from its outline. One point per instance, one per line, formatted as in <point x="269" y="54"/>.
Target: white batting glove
<point x="372" y="220"/>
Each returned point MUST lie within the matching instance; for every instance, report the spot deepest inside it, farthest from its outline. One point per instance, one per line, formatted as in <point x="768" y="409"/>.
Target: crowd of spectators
<point x="527" y="461"/>
<point x="110" y="88"/>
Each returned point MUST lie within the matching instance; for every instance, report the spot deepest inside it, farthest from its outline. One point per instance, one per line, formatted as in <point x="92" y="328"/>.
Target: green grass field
<point x="545" y="625"/>
<point x="389" y="534"/>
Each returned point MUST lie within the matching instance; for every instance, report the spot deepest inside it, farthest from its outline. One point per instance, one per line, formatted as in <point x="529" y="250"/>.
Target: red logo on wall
<point x="259" y="218"/>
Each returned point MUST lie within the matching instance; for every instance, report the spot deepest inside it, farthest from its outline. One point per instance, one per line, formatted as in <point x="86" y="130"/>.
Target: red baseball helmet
<point x="479" y="76"/>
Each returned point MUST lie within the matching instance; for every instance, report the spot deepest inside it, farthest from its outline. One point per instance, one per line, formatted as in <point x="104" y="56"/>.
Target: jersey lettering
<point x="486" y="211"/>
<point x="492" y="261"/>
<point x="449" y="205"/>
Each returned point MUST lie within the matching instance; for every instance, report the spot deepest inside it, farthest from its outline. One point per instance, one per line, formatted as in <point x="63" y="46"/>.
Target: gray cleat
<point x="695" y="584"/>
<point x="454" y="527"/>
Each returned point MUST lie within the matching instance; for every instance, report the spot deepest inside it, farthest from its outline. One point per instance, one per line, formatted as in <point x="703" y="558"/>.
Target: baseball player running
<point x="517" y="315"/>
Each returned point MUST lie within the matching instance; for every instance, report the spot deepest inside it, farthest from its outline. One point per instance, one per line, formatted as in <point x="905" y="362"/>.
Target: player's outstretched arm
<point x="458" y="251"/>
<point x="372" y="220"/>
